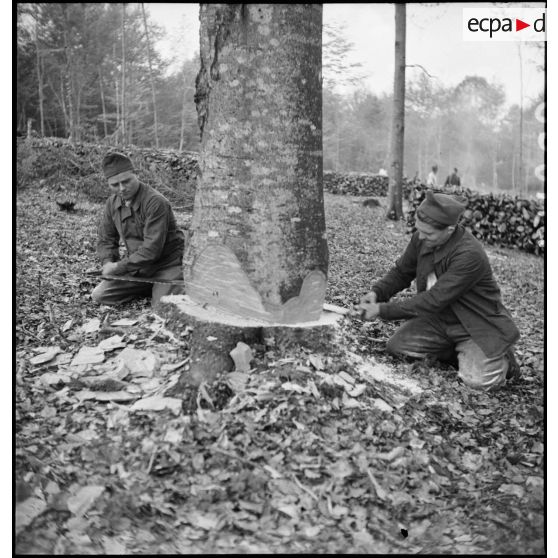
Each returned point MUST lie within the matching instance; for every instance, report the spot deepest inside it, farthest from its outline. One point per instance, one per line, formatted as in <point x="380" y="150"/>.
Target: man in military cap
<point x="457" y="314"/>
<point x="143" y="219"/>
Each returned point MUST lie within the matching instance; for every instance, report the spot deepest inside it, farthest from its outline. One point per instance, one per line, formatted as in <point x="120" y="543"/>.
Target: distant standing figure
<point x="144" y="220"/>
<point x="453" y="181"/>
<point x="432" y="180"/>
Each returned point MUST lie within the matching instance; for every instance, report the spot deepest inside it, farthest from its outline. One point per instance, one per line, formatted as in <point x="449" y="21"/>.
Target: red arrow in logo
<point x="519" y="25"/>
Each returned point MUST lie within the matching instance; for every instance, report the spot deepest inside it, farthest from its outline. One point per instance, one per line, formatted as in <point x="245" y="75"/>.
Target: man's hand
<point x="369" y="310"/>
<point x="369" y="297"/>
<point x="110" y="268"/>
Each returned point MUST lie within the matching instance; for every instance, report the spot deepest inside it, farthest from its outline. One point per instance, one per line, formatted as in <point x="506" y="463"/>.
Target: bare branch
<point x="422" y="68"/>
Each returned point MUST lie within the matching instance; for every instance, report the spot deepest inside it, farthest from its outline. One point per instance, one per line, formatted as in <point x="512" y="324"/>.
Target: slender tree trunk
<point x="183" y="115"/>
<point x="151" y="78"/>
<point x="258" y="251"/>
<point x="395" y="193"/>
<point x="520" y="180"/>
<point x="124" y="116"/>
<point x="67" y="123"/>
<point x="103" y="102"/>
<point x="69" y="77"/>
<point x="40" y="82"/>
<point x="118" y="131"/>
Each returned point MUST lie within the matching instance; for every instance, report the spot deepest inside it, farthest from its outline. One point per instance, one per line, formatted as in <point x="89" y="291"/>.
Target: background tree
<point x="395" y="192"/>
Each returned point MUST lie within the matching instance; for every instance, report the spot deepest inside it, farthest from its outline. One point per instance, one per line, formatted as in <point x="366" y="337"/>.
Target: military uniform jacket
<point x="465" y="288"/>
<point x="148" y="230"/>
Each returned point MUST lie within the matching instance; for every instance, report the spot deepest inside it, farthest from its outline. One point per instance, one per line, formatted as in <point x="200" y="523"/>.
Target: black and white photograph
<point x="279" y="281"/>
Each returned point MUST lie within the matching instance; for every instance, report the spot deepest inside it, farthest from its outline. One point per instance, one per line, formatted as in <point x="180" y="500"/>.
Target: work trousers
<point x="113" y="292"/>
<point x="450" y="342"/>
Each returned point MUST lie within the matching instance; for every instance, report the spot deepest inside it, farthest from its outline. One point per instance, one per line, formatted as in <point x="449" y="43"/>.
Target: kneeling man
<point x="457" y="311"/>
<point x="143" y="219"/>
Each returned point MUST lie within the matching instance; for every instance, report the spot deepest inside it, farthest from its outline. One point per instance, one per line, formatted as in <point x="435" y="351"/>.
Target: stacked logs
<point x="72" y="168"/>
<point x="500" y="220"/>
<point x="355" y="184"/>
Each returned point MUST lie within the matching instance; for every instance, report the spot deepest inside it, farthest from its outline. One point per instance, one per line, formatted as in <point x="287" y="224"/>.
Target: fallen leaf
<point x="289" y="509"/>
<point x="158" y="403"/>
<point x="45" y="356"/>
<point x="512" y="490"/>
<point x="237" y="380"/>
<point x="316" y="362"/>
<point x="111" y="343"/>
<point x="88" y="355"/>
<point x="27" y="511"/>
<point x="48" y="412"/>
<point x="242" y="356"/>
<point x="81" y="502"/>
<point x="382" y="405"/>
<point x="207" y="521"/>
<point x="139" y="362"/>
<point x="54" y="378"/>
<point x="121" y="396"/>
<point x="113" y="546"/>
<point x="94" y="324"/>
<point x="359" y="389"/>
<point x="124" y="322"/>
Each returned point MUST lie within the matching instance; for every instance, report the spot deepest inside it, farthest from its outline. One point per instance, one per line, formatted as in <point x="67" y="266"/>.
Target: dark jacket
<point x="465" y="288"/>
<point x="453" y="180"/>
<point x="148" y="230"/>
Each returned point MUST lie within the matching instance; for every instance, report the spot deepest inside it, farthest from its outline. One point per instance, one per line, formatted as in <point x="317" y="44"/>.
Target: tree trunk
<point x="258" y="251"/>
<point x="40" y="82"/>
<point x="103" y="102"/>
<point x="117" y="131"/>
<point x="520" y="181"/>
<point x="69" y="77"/>
<point x="183" y="114"/>
<point x="123" y="116"/>
<point x="395" y="192"/>
<point x="151" y="78"/>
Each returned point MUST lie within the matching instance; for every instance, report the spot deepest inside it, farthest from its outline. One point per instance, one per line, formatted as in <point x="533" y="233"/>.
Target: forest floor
<point x="308" y="453"/>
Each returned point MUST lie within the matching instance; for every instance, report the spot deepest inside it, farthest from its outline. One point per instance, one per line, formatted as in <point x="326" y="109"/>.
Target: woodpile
<point x="355" y="184"/>
<point x="71" y="168"/>
<point x="500" y="220"/>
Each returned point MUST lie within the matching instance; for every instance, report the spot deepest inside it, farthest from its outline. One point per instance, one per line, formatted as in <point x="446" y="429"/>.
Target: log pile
<point x="77" y="168"/>
<point x="355" y="184"/>
<point x="500" y="220"/>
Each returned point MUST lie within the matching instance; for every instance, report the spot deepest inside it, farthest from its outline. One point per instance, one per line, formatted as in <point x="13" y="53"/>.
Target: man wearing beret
<point x="143" y="219"/>
<point x="457" y="313"/>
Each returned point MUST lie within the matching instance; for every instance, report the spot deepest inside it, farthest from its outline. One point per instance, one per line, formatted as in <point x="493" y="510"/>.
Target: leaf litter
<point x="297" y="452"/>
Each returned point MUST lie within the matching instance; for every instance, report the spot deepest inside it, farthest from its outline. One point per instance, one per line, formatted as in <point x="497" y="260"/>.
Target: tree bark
<point x="155" y="126"/>
<point x="258" y="249"/>
<point x="395" y="192"/>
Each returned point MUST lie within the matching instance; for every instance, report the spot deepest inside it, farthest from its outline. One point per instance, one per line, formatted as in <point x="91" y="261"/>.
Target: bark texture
<point x="258" y="247"/>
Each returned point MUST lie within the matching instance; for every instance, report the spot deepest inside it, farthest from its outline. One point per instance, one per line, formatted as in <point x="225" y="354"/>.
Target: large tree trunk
<point x="395" y="192"/>
<point x="258" y="250"/>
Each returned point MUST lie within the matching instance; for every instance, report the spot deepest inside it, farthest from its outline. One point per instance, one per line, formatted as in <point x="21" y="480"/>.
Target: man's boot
<point x="514" y="371"/>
